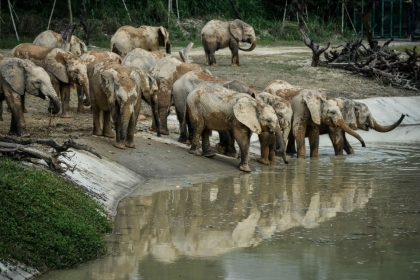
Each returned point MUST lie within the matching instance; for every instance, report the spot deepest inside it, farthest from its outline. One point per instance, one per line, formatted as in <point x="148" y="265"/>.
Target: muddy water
<point x="349" y="217"/>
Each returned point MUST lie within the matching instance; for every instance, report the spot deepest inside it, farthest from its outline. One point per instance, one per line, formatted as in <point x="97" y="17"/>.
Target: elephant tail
<point x="168" y="111"/>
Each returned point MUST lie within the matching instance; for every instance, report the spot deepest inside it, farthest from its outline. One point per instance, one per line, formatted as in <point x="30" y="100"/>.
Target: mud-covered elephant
<point x="357" y="115"/>
<point x="211" y="106"/>
<point x="51" y="39"/>
<point x="127" y="38"/>
<point x="93" y="57"/>
<point x="117" y="90"/>
<point x="64" y="69"/>
<point x="143" y="59"/>
<point x="218" y="34"/>
<point x="312" y="109"/>
<point x="21" y="76"/>
<point x="284" y="114"/>
<point x="166" y="71"/>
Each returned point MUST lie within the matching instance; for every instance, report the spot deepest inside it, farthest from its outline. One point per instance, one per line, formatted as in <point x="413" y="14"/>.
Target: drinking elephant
<point x="218" y="34"/>
<point x="357" y="115"/>
<point x="211" y="106"/>
<point x="312" y="109"/>
<point x="143" y="59"/>
<point x="166" y="71"/>
<point x="117" y="91"/>
<point x="20" y="76"/>
<point x="127" y="38"/>
<point x="284" y="114"/>
<point x="51" y="39"/>
<point x="64" y="69"/>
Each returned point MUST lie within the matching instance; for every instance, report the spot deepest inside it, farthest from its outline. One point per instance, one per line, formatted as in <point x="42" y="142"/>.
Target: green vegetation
<point x="273" y="21"/>
<point x="46" y="221"/>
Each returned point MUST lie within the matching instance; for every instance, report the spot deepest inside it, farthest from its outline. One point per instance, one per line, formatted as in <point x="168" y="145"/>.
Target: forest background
<point x="273" y="20"/>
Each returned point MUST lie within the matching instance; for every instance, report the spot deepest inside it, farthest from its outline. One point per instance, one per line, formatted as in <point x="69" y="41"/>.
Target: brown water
<point x="349" y="217"/>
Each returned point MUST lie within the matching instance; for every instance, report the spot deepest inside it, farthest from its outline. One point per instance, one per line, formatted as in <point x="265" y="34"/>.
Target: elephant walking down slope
<point x="218" y="34"/>
<point x="20" y="76"/>
<point x="210" y="106"/>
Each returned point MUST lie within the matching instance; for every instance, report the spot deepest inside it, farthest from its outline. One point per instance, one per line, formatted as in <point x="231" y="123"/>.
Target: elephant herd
<point x="115" y="83"/>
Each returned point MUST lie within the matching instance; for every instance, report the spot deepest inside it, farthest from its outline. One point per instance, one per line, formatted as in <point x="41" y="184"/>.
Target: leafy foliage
<point x="46" y="221"/>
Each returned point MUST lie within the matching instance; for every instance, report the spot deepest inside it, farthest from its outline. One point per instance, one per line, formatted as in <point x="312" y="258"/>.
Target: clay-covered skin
<point x="18" y="77"/>
<point x="127" y="38"/>
<point x="213" y="107"/>
<point x="51" y="39"/>
<point x="218" y="34"/>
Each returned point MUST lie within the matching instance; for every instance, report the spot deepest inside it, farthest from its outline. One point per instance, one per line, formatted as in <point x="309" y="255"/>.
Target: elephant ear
<point x="163" y="36"/>
<point x="13" y="71"/>
<point x="245" y="111"/>
<point x="348" y="113"/>
<point x="235" y="28"/>
<point x="313" y="101"/>
<point x="56" y="63"/>
<point x="108" y="80"/>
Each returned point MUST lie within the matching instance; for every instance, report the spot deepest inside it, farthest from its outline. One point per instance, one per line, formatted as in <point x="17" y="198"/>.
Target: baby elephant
<point x="213" y="107"/>
<point x="117" y="90"/>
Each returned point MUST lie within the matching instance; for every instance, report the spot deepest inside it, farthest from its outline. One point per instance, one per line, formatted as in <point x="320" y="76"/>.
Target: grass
<point x="46" y="221"/>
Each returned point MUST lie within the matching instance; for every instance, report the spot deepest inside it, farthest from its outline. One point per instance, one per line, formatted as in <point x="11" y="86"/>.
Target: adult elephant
<point x="311" y="110"/>
<point x="20" y="76"/>
<point x="64" y="69"/>
<point x="166" y="71"/>
<point x="214" y="107"/>
<point x="143" y="59"/>
<point x="284" y="114"/>
<point x="127" y="38"/>
<point x="117" y="91"/>
<point x="51" y="39"/>
<point x="218" y="34"/>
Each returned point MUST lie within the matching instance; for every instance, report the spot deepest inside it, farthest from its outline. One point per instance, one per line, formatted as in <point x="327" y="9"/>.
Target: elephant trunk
<point x="252" y="47"/>
<point x="85" y="88"/>
<point x="55" y="105"/>
<point x="125" y="120"/>
<point x="168" y="47"/>
<point x="388" y="128"/>
<point x="344" y="126"/>
<point x="154" y="106"/>
<point x="280" y="147"/>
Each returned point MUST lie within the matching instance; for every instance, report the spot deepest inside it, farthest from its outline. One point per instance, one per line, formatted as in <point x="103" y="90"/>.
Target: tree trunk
<point x="70" y="12"/>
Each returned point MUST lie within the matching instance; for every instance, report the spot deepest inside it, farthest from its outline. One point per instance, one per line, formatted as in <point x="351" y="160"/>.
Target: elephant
<point x="166" y="71"/>
<point x="284" y="114"/>
<point x="357" y="115"/>
<point x="127" y="38"/>
<point x="311" y="110"/>
<point x="142" y="59"/>
<point x="92" y="57"/>
<point x="118" y="90"/>
<point x="20" y="76"/>
<point x="210" y="106"/>
<point x="51" y="39"/>
<point x="64" y="69"/>
<point x="218" y="34"/>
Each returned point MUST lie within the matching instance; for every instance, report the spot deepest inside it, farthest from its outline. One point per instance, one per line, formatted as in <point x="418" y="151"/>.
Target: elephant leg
<point x="129" y="140"/>
<point x="198" y="127"/>
<point x="107" y="130"/>
<point x="235" y="54"/>
<point x="243" y="143"/>
<point x="291" y="145"/>
<point x="1" y="110"/>
<point x="265" y="148"/>
<point x="65" y="100"/>
<point x="17" y="124"/>
<point x="79" y="92"/>
<point x="299" y="135"/>
<point x="226" y="145"/>
<point x="118" y="123"/>
<point x="207" y="63"/>
<point x="183" y="134"/>
<point x="97" y="128"/>
<point x="313" y="137"/>
<point x="346" y="146"/>
<point x="205" y="143"/>
<point x="336" y="137"/>
<point x="22" y="102"/>
<point x="163" y="121"/>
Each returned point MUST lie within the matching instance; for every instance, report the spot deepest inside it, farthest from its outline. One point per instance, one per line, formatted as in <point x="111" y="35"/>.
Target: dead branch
<point x="25" y="150"/>
<point x="183" y="53"/>
<point x="365" y="17"/>
<point x="66" y="36"/>
<point x="316" y="50"/>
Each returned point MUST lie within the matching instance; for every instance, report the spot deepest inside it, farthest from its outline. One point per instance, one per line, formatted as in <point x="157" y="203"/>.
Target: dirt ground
<point x="165" y="157"/>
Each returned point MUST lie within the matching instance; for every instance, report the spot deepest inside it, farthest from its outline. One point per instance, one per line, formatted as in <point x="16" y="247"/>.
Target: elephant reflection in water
<point x="212" y="218"/>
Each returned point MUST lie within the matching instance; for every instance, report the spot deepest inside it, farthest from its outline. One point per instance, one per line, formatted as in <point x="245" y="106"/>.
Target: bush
<point x="46" y="221"/>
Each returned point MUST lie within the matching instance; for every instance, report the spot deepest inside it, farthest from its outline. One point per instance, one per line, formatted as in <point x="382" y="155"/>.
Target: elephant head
<point x="25" y="77"/>
<point x="77" y="46"/>
<point x="243" y="32"/>
<point x="259" y="117"/>
<point x="68" y="67"/>
<point x="327" y="111"/>
<point x="365" y="120"/>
